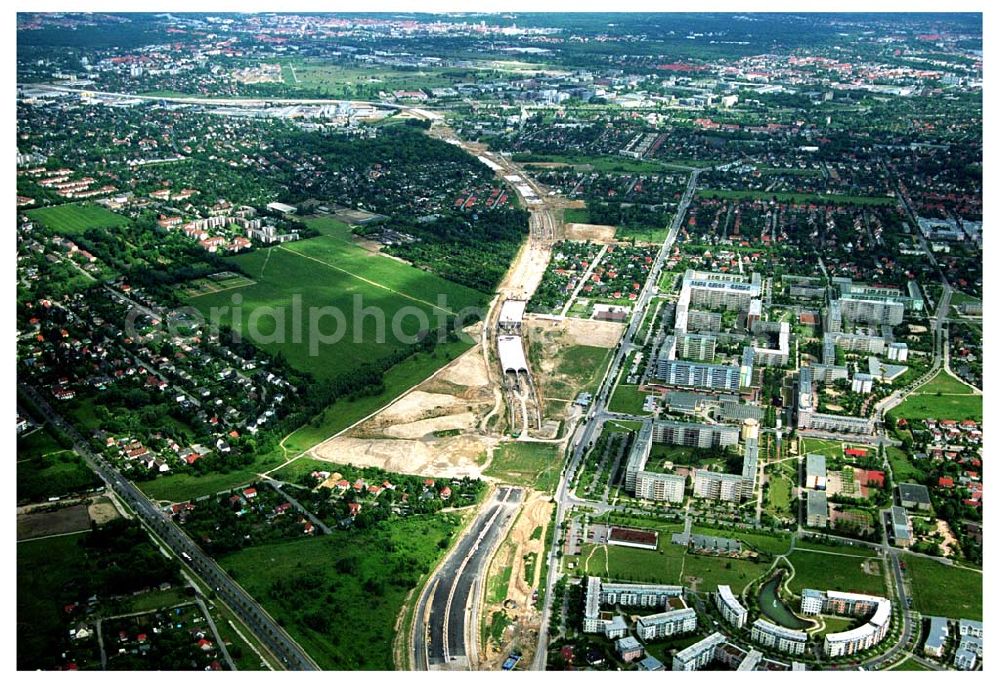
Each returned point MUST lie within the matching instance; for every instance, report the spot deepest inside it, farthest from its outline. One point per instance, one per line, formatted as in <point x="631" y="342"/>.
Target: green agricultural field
<point x="345" y="412"/>
<point x="627" y="400"/>
<point x="945" y="590"/>
<point x="180" y="487"/>
<point x="339" y="595"/>
<point x="329" y="271"/>
<point x="822" y="571"/>
<point x="798" y="198"/>
<point x="535" y="465"/>
<point x="72" y="219"/>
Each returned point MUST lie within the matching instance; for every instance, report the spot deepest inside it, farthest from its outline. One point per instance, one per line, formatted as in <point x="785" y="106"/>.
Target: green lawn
<point x="910" y="665"/>
<point x="583" y="367"/>
<point x="798" y="198"/>
<point x="779" y="490"/>
<point x="71" y="219"/>
<point x="711" y="571"/>
<point x="339" y="595"/>
<point x="857" y="550"/>
<point x="399" y="378"/>
<point x="816" y="570"/>
<point x="924" y="406"/>
<point x="535" y="465"/>
<point x="945" y="590"/>
<point x="180" y="487"/>
<point x="943" y="397"/>
<point x="821" y="447"/>
<point x="627" y="399"/>
<point x="945" y="383"/>
<point x="576" y="215"/>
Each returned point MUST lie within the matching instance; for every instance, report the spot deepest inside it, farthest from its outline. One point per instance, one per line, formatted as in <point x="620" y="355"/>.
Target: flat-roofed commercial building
<point x="816" y="509"/>
<point x="665" y="624"/>
<point x="781" y="638"/>
<point x="699" y="654"/>
<point x="902" y="530"/>
<point x="816" y="471"/>
<point x="730" y="607"/>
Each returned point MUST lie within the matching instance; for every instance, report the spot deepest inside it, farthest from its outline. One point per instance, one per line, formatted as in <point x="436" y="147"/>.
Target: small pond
<point x="775" y="610"/>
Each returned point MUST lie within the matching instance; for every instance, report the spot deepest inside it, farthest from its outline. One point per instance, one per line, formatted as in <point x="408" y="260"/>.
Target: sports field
<point x="363" y="292"/>
<point x="73" y="219"/>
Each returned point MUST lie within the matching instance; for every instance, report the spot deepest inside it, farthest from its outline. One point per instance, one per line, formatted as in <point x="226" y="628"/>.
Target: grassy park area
<point x="535" y="465"/>
<point x="837" y="571"/>
<point x="943" y="397"/>
<point x="339" y="595"/>
<point x="945" y="590"/>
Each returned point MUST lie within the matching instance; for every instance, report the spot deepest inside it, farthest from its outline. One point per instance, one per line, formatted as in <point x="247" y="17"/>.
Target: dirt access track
<point x="430" y="431"/>
<point x="596" y="233"/>
<point x="517" y="603"/>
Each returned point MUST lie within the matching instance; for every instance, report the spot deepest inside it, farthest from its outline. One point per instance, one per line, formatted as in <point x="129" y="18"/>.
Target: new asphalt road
<point x="445" y="620"/>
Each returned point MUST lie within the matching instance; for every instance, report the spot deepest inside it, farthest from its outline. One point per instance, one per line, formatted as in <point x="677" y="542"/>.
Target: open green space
<point x="181" y="487"/>
<point x="932" y="406"/>
<point x="824" y="571"/>
<point x="339" y="595"/>
<point x="833" y="624"/>
<point x="582" y="367"/>
<point x="71" y="219"/>
<point x="943" y="397"/>
<point x="820" y="446"/>
<point x="903" y="469"/>
<point x="43" y="567"/>
<point x="798" y="198"/>
<point x="600" y="163"/>
<point x="945" y="590"/>
<point x="535" y="465"/>
<point x="775" y="544"/>
<point x="401" y="377"/>
<point x="910" y="665"/>
<point x="945" y="383"/>
<point x="627" y="399"/>
<point x="355" y="306"/>
<point x="706" y="572"/>
<point x="859" y="550"/>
